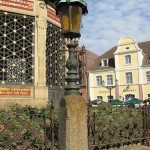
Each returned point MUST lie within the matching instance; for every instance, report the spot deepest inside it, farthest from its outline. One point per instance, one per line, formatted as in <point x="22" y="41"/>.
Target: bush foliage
<point x="27" y="127"/>
<point x="116" y="123"/>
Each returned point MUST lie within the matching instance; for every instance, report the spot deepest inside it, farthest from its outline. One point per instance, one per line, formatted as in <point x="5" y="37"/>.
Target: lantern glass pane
<point x="64" y="17"/>
<point x="75" y="18"/>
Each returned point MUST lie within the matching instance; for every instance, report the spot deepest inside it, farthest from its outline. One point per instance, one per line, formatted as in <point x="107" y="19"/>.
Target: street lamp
<point x="70" y="13"/>
<point x="110" y="87"/>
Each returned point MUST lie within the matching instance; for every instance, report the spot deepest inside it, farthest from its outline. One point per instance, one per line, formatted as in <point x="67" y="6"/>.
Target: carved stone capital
<point x="42" y="4"/>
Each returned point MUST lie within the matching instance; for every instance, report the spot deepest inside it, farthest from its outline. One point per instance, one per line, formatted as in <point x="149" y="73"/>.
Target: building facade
<point x="32" y="55"/>
<point x="128" y="63"/>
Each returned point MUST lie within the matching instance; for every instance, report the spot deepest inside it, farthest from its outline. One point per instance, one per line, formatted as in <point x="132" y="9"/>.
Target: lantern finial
<point x="82" y="3"/>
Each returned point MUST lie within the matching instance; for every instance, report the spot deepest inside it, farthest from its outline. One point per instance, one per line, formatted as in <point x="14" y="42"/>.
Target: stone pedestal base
<point x="73" y="123"/>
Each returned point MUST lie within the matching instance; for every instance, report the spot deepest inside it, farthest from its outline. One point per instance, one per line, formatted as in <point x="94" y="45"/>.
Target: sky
<point x="109" y="20"/>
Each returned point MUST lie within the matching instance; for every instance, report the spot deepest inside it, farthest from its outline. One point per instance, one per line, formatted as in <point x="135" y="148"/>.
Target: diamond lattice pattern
<point x="55" y="57"/>
<point x="16" y="48"/>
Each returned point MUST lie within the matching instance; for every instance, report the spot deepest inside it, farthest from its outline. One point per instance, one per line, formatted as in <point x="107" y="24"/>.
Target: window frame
<point x="103" y="64"/>
<point x="98" y="80"/>
<point x="127" y="59"/>
<point x="100" y="98"/>
<point x="129" y="78"/>
<point x="129" y="96"/>
<point x="109" y="80"/>
<point x="16" y="56"/>
<point x="108" y="97"/>
<point x="148" y="76"/>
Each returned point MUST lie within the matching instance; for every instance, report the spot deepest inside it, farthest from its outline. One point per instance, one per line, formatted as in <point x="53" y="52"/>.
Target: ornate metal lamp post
<point x="72" y="121"/>
<point x="70" y="12"/>
<point x="110" y="87"/>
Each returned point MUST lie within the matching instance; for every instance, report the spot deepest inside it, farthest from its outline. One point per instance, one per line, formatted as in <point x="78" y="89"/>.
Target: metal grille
<point x="55" y="57"/>
<point x="129" y="96"/>
<point x="117" y="126"/>
<point x="16" y="48"/>
<point x="29" y="128"/>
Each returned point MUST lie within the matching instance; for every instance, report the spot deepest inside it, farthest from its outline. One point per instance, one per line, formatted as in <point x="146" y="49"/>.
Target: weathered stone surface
<point x="73" y="123"/>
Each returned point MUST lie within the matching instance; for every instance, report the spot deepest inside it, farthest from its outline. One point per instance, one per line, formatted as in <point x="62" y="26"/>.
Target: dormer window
<point x="105" y="62"/>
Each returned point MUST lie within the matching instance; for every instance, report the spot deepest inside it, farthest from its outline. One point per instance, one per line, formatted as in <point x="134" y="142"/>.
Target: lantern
<point x="70" y="13"/>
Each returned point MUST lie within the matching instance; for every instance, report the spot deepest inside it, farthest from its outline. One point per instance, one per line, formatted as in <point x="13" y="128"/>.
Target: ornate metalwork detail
<point x="72" y="75"/>
<point x="116" y="126"/>
<point x="55" y="57"/>
<point x="28" y="128"/>
<point x="16" y="48"/>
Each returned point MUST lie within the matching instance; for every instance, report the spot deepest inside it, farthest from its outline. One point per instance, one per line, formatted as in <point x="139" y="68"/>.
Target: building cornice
<point x="103" y="70"/>
<point x="128" y="52"/>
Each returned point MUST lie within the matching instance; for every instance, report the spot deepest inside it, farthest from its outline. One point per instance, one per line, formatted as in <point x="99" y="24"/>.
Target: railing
<point x="31" y="128"/>
<point x="28" y="128"/>
<point x="111" y="126"/>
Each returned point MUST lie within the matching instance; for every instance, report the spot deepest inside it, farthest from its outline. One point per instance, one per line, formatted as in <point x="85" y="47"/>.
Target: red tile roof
<point x="145" y="46"/>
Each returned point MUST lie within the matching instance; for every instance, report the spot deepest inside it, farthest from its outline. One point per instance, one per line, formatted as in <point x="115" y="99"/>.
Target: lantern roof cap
<point x="82" y="3"/>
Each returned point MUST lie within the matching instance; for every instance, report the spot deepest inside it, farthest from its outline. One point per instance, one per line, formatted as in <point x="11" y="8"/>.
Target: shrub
<point x="117" y="123"/>
<point x="26" y="126"/>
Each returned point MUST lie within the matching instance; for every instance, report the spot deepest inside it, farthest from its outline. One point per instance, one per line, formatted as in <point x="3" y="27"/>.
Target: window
<point x="110" y="97"/>
<point x="17" y="49"/>
<point x="109" y="80"/>
<point x="100" y="98"/>
<point x="127" y="47"/>
<point x="148" y="76"/>
<point x="129" y="96"/>
<point x="148" y="95"/>
<point x="128" y="59"/>
<point x="99" y="80"/>
<point x="104" y="62"/>
<point x="55" y="57"/>
<point x="129" y="78"/>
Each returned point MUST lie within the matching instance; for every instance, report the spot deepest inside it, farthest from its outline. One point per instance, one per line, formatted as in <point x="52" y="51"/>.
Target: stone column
<point x="73" y="123"/>
<point x="41" y="91"/>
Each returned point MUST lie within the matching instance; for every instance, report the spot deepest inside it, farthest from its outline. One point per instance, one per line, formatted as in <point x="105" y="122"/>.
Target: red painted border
<point x="22" y="2"/>
<point x="52" y="15"/>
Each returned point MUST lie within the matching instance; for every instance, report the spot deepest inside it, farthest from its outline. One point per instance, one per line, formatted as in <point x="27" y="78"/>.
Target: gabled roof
<point x="107" y="55"/>
<point x="90" y="59"/>
<point x="145" y="46"/>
